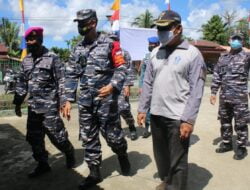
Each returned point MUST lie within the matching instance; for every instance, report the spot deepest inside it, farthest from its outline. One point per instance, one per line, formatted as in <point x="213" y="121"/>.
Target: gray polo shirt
<point x="174" y="82"/>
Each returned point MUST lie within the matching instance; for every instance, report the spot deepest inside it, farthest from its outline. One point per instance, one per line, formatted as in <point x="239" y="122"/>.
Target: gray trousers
<point x="170" y="152"/>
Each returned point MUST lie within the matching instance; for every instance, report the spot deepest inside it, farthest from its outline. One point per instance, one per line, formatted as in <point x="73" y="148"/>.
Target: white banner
<point x="135" y="41"/>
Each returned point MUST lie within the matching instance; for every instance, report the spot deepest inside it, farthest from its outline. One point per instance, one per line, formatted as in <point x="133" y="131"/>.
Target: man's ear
<point x="179" y="29"/>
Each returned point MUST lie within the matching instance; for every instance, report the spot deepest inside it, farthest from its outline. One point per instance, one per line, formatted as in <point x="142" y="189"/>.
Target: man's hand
<point x="127" y="91"/>
<point x="212" y="99"/>
<point x="65" y="110"/>
<point x="141" y="118"/>
<point x="18" y="110"/>
<point x="185" y="130"/>
<point x="106" y="90"/>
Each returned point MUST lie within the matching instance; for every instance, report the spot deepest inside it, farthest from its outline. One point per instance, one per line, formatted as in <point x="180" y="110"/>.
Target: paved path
<point x="207" y="170"/>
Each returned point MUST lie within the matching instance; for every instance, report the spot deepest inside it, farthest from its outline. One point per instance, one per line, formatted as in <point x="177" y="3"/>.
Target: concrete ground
<point x="207" y="170"/>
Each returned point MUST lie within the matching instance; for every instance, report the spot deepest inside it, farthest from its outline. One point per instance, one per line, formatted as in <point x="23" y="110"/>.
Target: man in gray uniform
<point x="173" y="83"/>
<point x="42" y="77"/>
<point x="231" y="76"/>
<point x="123" y="100"/>
<point x="99" y="64"/>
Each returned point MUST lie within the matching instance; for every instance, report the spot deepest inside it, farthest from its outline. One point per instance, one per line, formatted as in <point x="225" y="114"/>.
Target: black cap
<point x="166" y="18"/>
<point x="237" y="35"/>
<point x="85" y="15"/>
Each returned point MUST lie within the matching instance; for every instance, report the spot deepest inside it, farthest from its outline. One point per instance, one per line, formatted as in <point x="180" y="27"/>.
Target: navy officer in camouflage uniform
<point x="153" y="42"/>
<point x="42" y="77"/>
<point x="98" y="62"/>
<point x="123" y="100"/>
<point x="231" y="76"/>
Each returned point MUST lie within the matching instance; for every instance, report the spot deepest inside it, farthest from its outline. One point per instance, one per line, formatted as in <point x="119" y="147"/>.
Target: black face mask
<point x="150" y="48"/>
<point x="83" y="31"/>
<point x="33" y="48"/>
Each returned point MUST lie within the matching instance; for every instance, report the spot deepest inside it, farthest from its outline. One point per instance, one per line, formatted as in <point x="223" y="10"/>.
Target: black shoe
<point x="240" y="153"/>
<point x="124" y="164"/>
<point x="146" y="134"/>
<point x="93" y="178"/>
<point x="70" y="159"/>
<point x="133" y="135"/>
<point x="41" y="169"/>
<point x="224" y="147"/>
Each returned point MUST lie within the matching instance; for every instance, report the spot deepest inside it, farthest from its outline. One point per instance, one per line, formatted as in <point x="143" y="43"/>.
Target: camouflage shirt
<point x="43" y="79"/>
<point x="231" y="76"/>
<point x="131" y="75"/>
<point x="144" y="64"/>
<point x="95" y="65"/>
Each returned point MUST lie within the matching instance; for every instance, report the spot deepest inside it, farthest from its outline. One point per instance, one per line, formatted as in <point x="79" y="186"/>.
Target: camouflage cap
<point x="85" y="15"/>
<point x="166" y="18"/>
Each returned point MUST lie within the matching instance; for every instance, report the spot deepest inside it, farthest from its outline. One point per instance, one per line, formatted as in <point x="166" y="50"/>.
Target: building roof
<point x="208" y="47"/>
<point x="205" y="43"/>
<point x="3" y="48"/>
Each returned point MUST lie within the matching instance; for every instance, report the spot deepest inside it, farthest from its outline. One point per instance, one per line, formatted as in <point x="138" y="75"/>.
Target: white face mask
<point x="165" y="37"/>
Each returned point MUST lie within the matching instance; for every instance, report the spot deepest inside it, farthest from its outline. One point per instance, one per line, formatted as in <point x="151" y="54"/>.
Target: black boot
<point x="93" y="178"/>
<point x="224" y="147"/>
<point x="42" y="168"/>
<point x="70" y="159"/>
<point x="124" y="164"/>
<point x="133" y="133"/>
<point x="240" y="153"/>
<point x="146" y="133"/>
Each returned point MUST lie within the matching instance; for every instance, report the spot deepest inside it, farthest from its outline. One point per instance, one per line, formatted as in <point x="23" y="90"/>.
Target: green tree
<point x="187" y="38"/>
<point x="229" y="18"/>
<point x="63" y="53"/>
<point x="144" y="20"/>
<point x="9" y="36"/>
<point x="215" y="30"/>
<point x="243" y="27"/>
<point x="74" y="41"/>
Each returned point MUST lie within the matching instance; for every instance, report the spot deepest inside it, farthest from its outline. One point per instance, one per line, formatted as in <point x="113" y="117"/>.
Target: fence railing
<point x="8" y="64"/>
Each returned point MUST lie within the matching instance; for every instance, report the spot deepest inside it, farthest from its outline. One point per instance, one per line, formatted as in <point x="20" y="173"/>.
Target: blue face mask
<point x="235" y="44"/>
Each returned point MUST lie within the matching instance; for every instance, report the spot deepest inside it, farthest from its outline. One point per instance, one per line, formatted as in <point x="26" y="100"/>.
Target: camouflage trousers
<point x="240" y="113"/>
<point x="102" y="116"/>
<point x="50" y="124"/>
<point x="125" y="109"/>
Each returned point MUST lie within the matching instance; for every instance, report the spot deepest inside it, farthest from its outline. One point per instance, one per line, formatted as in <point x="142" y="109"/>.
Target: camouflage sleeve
<point x="142" y="74"/>
<point x="120" y="66"/>
<point x="131" y="71"/>
<point x="21" y="87"/>
<point x="216" y="81"/>
<point x="147" y="89"/>
<point x="59" y="76"/>
<point x="72" y="74"/>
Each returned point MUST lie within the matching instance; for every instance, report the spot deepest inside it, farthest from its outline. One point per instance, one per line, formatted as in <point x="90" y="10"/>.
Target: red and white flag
<point x="168" y="4"/>
<point x="116" y="15"/>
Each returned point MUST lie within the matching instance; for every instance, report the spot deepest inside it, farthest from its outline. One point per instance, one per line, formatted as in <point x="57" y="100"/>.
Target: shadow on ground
<point x="198" y="177"/>
<point x="194" y="139"/>
<point x="138" y="161"/>
<point x="16" y="161"/>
